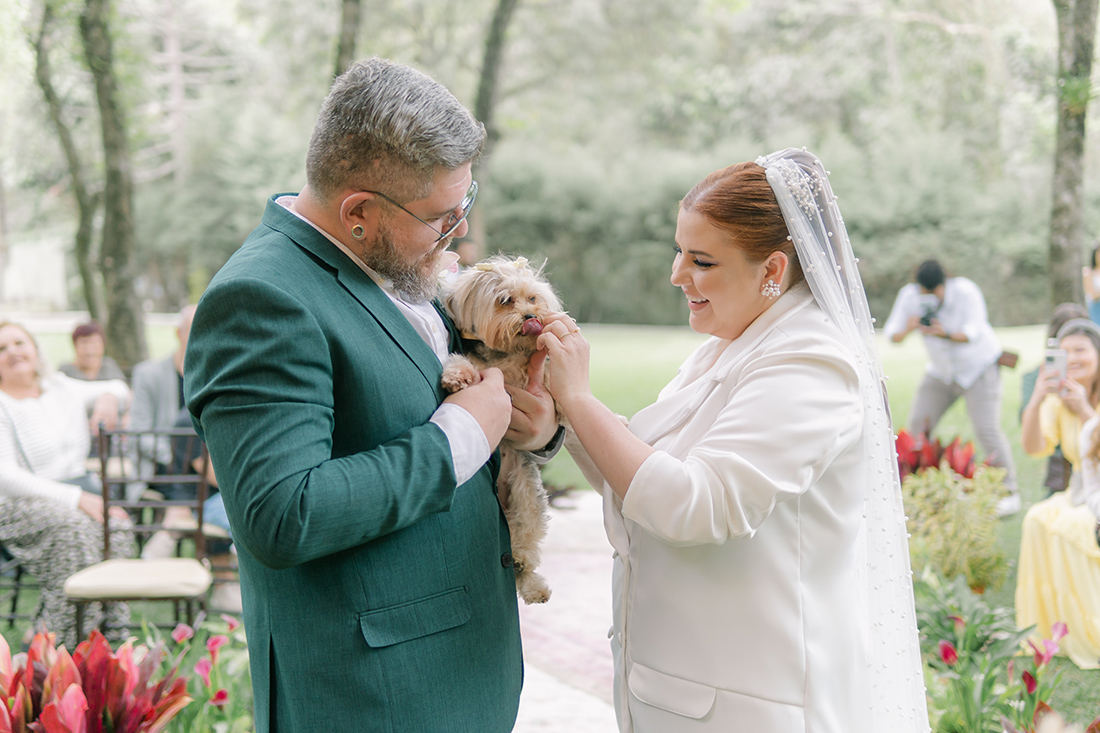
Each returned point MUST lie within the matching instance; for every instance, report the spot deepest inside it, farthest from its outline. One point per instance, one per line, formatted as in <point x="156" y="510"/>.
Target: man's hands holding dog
<point x="489" y="404"/>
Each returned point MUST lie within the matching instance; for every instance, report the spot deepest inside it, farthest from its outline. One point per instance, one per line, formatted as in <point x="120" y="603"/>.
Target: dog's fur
<point x="492" y="304"/>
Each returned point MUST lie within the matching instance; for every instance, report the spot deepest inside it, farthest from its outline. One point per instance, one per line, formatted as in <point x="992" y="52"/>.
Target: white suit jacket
<point x="735" y="586"/>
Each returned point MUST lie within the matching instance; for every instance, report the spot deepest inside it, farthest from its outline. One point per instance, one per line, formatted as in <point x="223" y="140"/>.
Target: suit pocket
<point x="674" y="694"/>
<point x="414" y="619"/>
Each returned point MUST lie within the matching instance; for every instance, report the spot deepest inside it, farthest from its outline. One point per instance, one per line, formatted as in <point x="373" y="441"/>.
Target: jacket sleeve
<point x="785" y="422"/>
<point x="260" y="389"/>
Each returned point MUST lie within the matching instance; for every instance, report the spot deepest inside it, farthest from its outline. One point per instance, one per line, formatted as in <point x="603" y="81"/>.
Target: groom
<point x="374" y="558"/>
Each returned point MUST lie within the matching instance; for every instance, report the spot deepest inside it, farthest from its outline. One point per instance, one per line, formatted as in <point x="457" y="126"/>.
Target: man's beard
<point x="417" y="282"/>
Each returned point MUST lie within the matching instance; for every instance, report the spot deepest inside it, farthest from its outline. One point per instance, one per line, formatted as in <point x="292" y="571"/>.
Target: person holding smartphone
<point x="963" y="355"/>
<point x="1058" y="575"/>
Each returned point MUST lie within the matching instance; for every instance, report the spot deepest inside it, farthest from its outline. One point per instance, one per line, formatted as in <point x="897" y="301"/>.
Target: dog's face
<point x="502" y="303"/>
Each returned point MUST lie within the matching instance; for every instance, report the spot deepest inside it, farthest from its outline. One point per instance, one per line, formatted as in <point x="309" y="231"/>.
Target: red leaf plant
<point x="91" y="691"/>
<point x="915" y="454"/>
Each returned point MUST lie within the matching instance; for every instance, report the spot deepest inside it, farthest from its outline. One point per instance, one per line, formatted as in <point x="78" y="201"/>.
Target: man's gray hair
<point x="387" y="127"/>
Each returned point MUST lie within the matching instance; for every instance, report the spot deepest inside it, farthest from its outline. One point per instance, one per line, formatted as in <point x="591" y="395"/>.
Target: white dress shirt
<point x="469" y="447"/>
<point x="963" y="311"/>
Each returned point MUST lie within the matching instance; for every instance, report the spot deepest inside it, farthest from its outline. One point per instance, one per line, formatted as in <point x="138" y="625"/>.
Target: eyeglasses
<point x="458" y="214"/>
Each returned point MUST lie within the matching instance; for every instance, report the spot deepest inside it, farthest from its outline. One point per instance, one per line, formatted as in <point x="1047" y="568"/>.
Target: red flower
<point x="948" y="653"/>
<point x="1030" y="683"/>
<point x="220" y="698"/>
<point x="214" y="643"/>
<point x="182" y="633"/>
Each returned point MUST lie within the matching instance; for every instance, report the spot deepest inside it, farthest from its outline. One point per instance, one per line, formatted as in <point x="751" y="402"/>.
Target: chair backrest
<point x="129" y="457"/>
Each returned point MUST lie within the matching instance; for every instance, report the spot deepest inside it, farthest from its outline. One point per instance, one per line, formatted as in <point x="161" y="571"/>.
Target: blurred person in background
<point x="1058" y="468"/>
<point x="89" y="363"/>
<point x="963" y="356"/>
<point x="51" y="507"/>
<point x="1058" y="576"/>
<point x="1090" y="274"/>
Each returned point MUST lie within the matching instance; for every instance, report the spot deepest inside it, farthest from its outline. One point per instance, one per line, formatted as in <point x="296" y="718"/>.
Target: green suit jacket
<point x="377" y="595"/>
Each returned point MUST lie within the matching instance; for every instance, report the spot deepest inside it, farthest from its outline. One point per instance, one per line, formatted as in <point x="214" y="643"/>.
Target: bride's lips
<point x="697" y="304"/>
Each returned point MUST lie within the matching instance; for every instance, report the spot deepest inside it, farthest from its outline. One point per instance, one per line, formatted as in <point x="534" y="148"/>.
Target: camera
<point x="929" y="307"/>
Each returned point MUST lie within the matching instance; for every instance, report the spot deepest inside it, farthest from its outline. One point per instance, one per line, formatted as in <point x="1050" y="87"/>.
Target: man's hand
<point x="534" y="420"/>
<point x="489" y="404"/>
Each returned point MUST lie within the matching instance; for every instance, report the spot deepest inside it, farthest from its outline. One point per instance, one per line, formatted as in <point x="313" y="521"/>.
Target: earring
<point x="770" y="290"/>
<point x="358" y="231"/>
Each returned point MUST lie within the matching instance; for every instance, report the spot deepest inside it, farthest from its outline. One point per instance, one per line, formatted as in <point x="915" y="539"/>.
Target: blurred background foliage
<point x="936" y="119"/>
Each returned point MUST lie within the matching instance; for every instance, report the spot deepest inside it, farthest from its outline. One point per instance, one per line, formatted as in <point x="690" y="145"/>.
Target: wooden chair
<point x="183" y="581"/>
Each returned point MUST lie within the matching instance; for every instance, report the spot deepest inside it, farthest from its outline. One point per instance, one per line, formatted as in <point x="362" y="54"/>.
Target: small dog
<point x="498" y="306"/>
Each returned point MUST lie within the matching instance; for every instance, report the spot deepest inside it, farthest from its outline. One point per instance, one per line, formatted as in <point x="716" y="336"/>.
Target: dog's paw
<point x="458" y="373"/>
<point x="533" y="588"/>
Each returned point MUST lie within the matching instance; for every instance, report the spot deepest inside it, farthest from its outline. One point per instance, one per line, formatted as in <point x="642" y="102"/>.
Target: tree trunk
<point x="125" y="331"/>
<point x="1076" y="39"/>
<point x="349" y="31"/>
<point x="474" y="246"/>
<point x="86" y="201"/>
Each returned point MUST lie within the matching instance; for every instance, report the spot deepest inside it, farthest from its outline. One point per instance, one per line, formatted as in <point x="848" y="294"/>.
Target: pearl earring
<point x="770" y="290"/>
<point x="358" y="231"/>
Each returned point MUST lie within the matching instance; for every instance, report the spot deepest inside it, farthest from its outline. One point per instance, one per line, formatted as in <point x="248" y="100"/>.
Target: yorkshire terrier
<point x="499" y="306"/>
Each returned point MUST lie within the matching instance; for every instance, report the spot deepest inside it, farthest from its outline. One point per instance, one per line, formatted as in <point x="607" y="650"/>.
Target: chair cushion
<point x="190" y="524"/>
<point x="177" y="577"/>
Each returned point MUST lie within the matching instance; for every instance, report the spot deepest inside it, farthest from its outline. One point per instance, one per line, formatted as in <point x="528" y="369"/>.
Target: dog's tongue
<point x="531" y="327"/>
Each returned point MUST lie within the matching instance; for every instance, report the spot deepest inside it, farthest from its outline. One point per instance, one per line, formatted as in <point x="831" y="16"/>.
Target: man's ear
<point x="359" y="214"/>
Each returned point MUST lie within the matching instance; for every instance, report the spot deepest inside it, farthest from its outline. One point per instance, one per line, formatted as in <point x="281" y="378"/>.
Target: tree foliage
<point x="937" y="120"/>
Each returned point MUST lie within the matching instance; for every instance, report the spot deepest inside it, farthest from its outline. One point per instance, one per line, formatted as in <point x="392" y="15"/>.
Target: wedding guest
<point x="1090" y="274"/>
<point x="761" y="578"/>
<point x="963" y="355"/>
<point x="1058" y="468"/>
<point x="1058" y="576"/>
<point x="90" y="364"/>
<point x="51" y="509"/>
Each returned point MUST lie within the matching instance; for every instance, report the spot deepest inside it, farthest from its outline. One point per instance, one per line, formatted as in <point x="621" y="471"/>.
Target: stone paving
<point x="567" y="688"/>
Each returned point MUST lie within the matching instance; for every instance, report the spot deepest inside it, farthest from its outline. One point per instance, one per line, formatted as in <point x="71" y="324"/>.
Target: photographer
<point x="963" y="356"/>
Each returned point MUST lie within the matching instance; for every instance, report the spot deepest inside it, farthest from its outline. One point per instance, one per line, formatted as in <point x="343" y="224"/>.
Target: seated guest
<point x="90" y="364"/>
<point x="51" y="508"/>
<point x="1059" y="560"/>
<point x="1058" y="468"/>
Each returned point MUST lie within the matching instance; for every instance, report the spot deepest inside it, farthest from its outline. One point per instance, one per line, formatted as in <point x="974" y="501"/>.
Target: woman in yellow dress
<point x="1058" y="578"/>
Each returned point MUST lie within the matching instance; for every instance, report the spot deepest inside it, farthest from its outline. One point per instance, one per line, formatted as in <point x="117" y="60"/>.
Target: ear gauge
<point x="770" y="290"/>
<point x="358" y="231"/>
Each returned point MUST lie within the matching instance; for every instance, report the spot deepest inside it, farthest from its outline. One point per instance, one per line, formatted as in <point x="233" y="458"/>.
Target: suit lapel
<point x="359" y="285"/>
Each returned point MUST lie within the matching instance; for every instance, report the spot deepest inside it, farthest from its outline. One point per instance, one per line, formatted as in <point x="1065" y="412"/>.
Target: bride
<point x="762" y="577"/>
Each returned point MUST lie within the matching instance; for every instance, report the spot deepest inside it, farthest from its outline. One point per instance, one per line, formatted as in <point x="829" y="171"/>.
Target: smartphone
<point x="1054" y="362"/>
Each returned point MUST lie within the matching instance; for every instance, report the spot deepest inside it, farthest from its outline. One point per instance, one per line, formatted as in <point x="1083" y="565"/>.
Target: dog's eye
<point x="532" y="299"/>
<point x="505" y="300"/>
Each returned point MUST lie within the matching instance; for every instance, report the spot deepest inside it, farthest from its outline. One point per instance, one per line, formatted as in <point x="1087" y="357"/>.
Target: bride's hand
<point x="568" y="359"/>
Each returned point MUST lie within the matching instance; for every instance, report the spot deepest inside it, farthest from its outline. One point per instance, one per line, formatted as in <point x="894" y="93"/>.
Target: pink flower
<point x="220" y="698"/>
<point x="948" y="653"/>
<point x="1011" y="667"/>
<point x="202" y="669"/>
<point x="1058" y="631"/>
<point x="960" y="625"/>
<point x="1030" y="682"/>
<point x="182" y="633"/>
<point x="1044" y="655"/>
<point x="214" y="643"/>
<point x="232" y="621"/>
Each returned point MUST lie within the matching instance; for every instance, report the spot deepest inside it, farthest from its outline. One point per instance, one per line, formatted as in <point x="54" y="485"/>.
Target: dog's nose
<point x="529" y="316"/>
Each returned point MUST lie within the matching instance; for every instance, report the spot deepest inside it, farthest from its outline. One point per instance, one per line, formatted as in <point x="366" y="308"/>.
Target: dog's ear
<point x="461" y="300"/>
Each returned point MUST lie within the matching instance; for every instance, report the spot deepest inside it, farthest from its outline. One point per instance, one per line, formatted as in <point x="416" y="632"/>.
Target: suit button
<point x="506" y="559"/>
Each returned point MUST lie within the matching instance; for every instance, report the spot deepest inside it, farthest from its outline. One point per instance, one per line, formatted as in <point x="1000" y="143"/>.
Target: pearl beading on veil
<point x="896" y="694"/>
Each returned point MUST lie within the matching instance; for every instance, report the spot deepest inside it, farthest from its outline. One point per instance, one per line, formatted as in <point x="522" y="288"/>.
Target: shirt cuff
<point x="542" y="457"/>
<point x="469" y="446"/>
